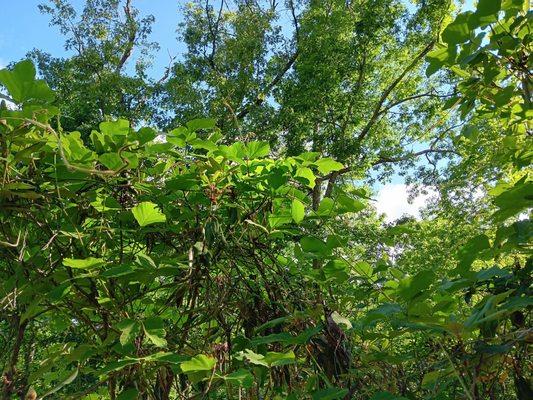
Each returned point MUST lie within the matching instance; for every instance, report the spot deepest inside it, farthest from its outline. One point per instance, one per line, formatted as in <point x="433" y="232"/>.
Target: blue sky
<point x="27" y="29"/>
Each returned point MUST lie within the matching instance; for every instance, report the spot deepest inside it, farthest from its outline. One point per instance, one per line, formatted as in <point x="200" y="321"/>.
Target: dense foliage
<point x="231" y="250"/>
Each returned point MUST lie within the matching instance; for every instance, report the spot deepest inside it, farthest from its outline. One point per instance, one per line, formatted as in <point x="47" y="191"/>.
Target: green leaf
<point x="235" y="152"/>
<point x="68" y="380"/>
<point x="297" y="211"/>
<point x="411" y="287"/>
<point x="283" y="337"/>
<point x="348" y="204"/>
<point x="145" y="135"/>
<point x="331" y="393"/>
<point x="254" y="358"/>
<point x="431" y="378"/>
<point x="182" y="182"/>
<point x="111" y="160"/>
<point x="486" y="13"/>
<point x="117" y="365"/>
<point x="325" y="208"/>
<point x="327" y="165"/>
<point x="22" y="85"/>
<point x="362" y="268"/>
<point x="129" y="329"/>
<point x="146" y="213"/>
<point x="257" y="150"/>
<point x="442" y="55"/>
<point x="129" y="394"/>
<point x="118" y="271"/>
<point x="470" y="251"/>
<point x="203" y="144"/>
<point x="59" y="291"/>
<point x="336" y="269"/>
<point x="306" y="176"/>
<point x="515" y="5"/>
<point x="314" y="245"/>
<point x="105" y="204"/>
<point x="458" y="31"/>
<point x="386" y="396"/>
<point x="275" y="359"/>
<point x="513" y="200"/>
<point x="155" y="332"/>
<point x="85" y="263"/>
<point x="241" y="377"/>
<point x="198" y="363"/>
<point x="201" y="123"/>
<point x="167" y="357"/>
<point x="120" y="127"/>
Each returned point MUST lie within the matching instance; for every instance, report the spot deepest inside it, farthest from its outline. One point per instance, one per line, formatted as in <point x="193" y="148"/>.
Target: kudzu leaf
<point x="201" y="123"/>
<point x="349" y="204"/>
<point x="129" y="329"/>
<point x="120" y="127"/>
<point x="129" y="394"/>
<point x="458" y="31"/>
<point x="327" y="165"/>
<point x="155" y="332"/>
<point x="297" y="211"/>
<point x="22" y="85"/>
<point x="64" y="383"/>
<point x="331" y="393"/>
<point x="362" y="268"/>
<point x="242" y="377"/>
<point x="145" y="135"/>
<point x="257" y="149"/>
<point x="111" y="160"/>
<point x="198" y="363"/>
<point x="486" y="13"/>
<point x="305" y="175"/>
<point x="275" y="359"/>
<point x="146" y="213"/>
<point x="314" y="245"/>
<point x="85" y="263"/>
<point x="325" y="208"/>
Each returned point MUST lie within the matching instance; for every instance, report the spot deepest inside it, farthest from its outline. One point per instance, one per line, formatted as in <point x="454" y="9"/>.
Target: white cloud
<point x="393" y="201"/>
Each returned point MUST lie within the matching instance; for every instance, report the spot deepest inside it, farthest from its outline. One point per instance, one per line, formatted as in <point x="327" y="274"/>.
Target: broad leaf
<point x="198" y="363"/>
<point x="297" y="210"/>
<point x="86" y="263"/>
<point x="147" y="213"/>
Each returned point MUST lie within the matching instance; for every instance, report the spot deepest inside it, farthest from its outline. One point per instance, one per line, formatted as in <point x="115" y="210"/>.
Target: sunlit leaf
<point x="147" y="213"/>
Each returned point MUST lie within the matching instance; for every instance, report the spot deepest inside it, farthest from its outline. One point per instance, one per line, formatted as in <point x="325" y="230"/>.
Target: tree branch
<point x="382" y="160"/>
<point x="261" y="97"/>
<point x="131" y="36"/>
<point x="416" y="96"/>
<point x="213" y="31"/>
<point x="7" y="98"/>
<point x="390" y="88"/>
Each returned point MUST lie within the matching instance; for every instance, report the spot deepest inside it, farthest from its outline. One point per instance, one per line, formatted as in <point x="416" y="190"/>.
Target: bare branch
<point x="331" y="177"/>
<point x="295" y="20"/>
<point x="384" y="160"/>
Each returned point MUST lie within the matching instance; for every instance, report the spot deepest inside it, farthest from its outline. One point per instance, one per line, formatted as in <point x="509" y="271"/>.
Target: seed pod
<point x="31" y="395"/>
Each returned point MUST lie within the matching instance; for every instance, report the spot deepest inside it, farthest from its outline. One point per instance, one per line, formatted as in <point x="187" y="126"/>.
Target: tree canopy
<point x="210" y="233"/>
